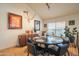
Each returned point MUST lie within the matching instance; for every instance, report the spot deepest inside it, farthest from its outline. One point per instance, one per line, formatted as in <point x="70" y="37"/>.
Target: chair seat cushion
<point x="62" y="45"/>
<point x="54" y="47"/>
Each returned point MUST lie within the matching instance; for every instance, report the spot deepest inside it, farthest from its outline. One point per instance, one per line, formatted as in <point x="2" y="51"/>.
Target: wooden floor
<point x="22" y="51"/>
<point x="14" y="51"/>
<point x="73" y="51"/>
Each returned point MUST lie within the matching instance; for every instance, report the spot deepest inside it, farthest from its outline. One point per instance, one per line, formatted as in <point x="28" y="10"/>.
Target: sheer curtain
<point x="56" y="27"/>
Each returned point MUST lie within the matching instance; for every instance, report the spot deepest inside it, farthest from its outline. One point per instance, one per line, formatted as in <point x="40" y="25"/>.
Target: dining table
<point x="49" y="40"/>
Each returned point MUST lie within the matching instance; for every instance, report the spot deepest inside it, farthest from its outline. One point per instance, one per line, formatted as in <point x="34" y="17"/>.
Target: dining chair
<point x="72" y="41"/>
<point x="31" y="49"/>
<point x="34" y="49"/>
<point x="71" y="38"/>
<point x="51" y="50"/>
<point x="67" y="42"/>
<point x="40" y="50"/>
<point x="58" y="50"/>
<point x="62" y="49"/>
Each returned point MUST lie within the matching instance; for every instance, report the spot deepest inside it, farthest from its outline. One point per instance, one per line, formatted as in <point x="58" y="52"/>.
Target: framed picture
<point x="72" y="22"/>
<point x="36" y="25"/>
<point x="14" y="21"/>
<point x="45" y="25"/>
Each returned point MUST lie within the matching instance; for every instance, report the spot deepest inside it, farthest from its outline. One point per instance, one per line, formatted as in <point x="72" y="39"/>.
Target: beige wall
<point x="66" y="19"/>
<point x="8" y="37"/>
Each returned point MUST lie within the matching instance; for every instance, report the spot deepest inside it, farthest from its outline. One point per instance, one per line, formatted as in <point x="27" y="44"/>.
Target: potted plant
<point x="69" y="34"/>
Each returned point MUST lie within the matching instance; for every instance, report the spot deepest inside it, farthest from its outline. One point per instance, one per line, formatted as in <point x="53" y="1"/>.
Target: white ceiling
<point x="55" y="10"/>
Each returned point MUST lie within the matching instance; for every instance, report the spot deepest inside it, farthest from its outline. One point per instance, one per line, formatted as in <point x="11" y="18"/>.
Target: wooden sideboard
<point x="23" y="38"/>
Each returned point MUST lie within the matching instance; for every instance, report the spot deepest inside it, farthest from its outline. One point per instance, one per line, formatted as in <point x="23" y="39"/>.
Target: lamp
<point x="29" y="31"/>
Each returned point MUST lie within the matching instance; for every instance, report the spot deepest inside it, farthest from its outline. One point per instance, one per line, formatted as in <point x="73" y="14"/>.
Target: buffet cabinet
<point x="23" y="38"/>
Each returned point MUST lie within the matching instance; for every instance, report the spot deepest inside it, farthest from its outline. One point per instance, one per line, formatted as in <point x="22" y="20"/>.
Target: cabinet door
<point x="22" y="40"/>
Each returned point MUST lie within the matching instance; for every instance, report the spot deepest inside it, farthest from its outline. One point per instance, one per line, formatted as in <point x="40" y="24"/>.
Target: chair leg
<point x="27" y="50"/>
<point x="28" y="53"/>
<point x="78" y="51"/>
<point x="65" y="54"/>
<point x="68" y="52"/>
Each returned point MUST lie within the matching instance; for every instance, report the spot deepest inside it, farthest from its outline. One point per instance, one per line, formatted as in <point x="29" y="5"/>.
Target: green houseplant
<point x="69" y="34"/>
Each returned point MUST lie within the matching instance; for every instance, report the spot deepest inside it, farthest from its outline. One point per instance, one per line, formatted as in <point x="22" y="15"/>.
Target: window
<point x="57" y="28"/>
<point x="51" y="28"/>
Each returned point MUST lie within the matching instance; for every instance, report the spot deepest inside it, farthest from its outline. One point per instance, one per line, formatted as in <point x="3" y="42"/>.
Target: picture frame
<point x="14" y="21"/>
<point x="72" y="22"/>
<point x="45" y="25"/>
<point x="36" y="25"/>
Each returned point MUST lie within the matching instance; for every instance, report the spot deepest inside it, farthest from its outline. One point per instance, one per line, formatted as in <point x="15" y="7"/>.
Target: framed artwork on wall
<point x="45" y="25"/>
<point x="36" y="25"/>
<point x="14" y="21"/>
<point x="72" y="22"/>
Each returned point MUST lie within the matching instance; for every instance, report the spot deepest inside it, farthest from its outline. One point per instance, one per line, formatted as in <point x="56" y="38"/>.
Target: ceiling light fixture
<point x="47" y="5"/>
